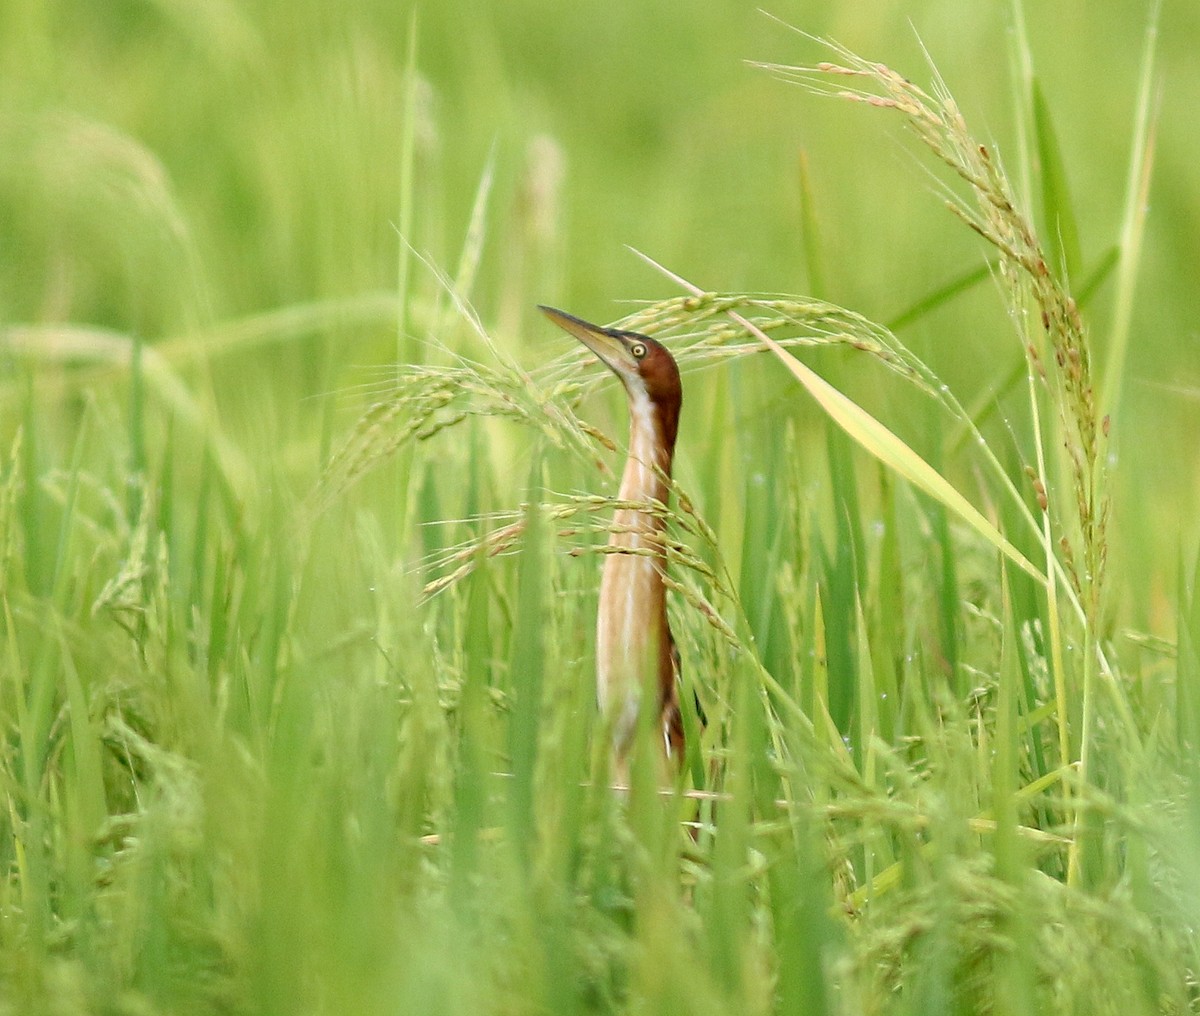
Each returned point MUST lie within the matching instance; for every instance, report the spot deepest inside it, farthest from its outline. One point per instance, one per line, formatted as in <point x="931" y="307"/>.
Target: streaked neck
<point x="650" y="456"/>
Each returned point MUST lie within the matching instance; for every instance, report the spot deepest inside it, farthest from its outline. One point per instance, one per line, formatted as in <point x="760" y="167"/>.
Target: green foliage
<point x="301" y="521"/>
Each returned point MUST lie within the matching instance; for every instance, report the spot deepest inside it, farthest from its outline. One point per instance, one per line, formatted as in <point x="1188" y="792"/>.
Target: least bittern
<point x="633" y="639"/>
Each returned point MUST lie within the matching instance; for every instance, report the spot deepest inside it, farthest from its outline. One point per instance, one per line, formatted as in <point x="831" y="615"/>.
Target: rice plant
<point x="297" y="679"/>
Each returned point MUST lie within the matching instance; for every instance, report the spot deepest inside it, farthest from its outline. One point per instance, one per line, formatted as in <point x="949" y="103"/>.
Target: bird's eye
<point x="638" y="350"/>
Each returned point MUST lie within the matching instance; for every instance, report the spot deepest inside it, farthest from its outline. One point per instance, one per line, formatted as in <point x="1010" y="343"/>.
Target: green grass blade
<point x="137" y="427"/>
<point x="472" y="251"/>
<point x="528" y="661"/>
<point x="803" y="930"/>
<point x="1187" y="691"/>
<point x="842" y="581"/>
<point x="1021" y="59"/>
<point x="1061" y="226"/>
<point x="471" y="770"/>
<point x="83" y="787"/>
<point x="896" y="455"/>
<point x="1133" y="219"/>
<point x="949" y="598"/>
<point x="1096" y="278"/>
<point x="405" y="349"/>
<point x="809" y="231"/>
<point x="942" y="295"/>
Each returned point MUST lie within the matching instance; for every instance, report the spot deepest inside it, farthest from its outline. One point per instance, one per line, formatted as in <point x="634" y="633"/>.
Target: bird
<point x="634" y="645"/>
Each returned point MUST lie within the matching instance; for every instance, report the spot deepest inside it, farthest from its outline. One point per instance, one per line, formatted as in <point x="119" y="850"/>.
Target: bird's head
<point x="644" y="366"/>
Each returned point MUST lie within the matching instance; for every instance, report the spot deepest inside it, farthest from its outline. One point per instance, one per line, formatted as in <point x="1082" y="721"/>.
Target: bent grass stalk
<point x="1033" y="290"/>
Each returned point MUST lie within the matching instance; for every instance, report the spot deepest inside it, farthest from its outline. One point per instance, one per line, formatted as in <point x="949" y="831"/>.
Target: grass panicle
<point x="1046" y="315"/>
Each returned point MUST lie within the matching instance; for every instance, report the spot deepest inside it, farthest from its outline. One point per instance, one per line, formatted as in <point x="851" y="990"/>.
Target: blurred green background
<point x="168" y="165"/>
<point x="214" y="769"/>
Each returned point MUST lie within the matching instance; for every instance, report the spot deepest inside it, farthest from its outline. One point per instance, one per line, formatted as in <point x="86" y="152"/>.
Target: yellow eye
<point x="638" y="350"/>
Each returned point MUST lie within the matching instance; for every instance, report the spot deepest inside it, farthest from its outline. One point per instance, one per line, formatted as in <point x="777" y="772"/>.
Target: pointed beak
<point x="608" y="345"/>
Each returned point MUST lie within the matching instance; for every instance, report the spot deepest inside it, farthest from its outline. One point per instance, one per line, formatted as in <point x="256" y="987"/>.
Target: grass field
<point x="302" y="507"/>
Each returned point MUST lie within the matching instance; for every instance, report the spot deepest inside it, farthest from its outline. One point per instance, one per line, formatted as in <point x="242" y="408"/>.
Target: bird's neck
<point x="651" y="450"/>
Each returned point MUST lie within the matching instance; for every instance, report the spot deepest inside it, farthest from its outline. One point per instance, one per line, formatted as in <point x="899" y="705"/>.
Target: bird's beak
<point x="608" y="345"/>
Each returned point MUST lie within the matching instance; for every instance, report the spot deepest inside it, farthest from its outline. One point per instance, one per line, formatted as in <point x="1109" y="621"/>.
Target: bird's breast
<point x="632" y="608"/>
<point x="632" y="640"/>
<point x="631" y="620"/>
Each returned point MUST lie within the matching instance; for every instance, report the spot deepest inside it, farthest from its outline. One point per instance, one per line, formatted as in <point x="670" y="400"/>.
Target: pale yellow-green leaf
<point x="898" y="456"/>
